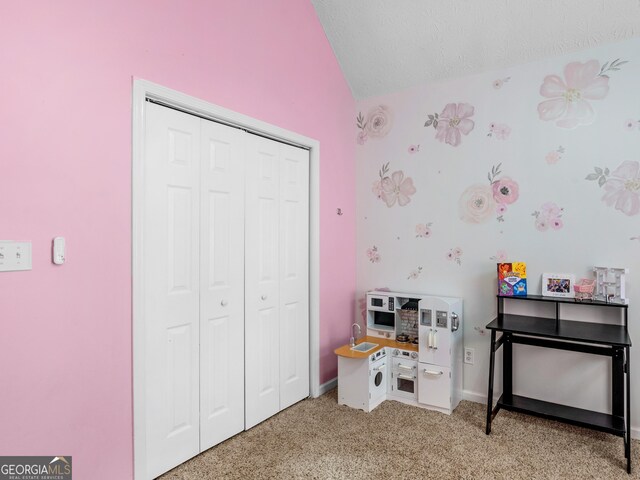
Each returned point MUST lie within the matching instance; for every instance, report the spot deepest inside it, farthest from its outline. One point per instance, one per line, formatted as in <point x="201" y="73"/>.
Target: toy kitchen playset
<point x="412" y="353"/>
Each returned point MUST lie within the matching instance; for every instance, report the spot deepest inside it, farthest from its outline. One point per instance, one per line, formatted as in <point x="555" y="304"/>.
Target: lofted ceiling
<point x="385" y="46"/>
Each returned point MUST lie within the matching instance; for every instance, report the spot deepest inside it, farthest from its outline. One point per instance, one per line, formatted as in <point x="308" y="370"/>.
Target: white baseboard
<point x="482" y="398"/>
<point x="326" y="386"/>
<point x="475" y="397"/>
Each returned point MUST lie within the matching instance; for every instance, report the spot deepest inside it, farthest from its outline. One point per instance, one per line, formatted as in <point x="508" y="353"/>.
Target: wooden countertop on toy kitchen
<point x="345" y="350"/>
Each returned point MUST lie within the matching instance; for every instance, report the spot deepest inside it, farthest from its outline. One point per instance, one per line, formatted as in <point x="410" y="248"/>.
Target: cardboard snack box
<point x="512" y="279"/>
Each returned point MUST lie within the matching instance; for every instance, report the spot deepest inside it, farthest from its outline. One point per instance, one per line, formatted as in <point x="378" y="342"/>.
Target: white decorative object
<point x="558" y="285"/>
<point x="610" y="284"/>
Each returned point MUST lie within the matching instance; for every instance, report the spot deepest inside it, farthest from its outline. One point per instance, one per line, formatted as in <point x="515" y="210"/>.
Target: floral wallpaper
<point x="480" y="201"/>
<point x="393" y="188"/>
<point x="622" y="186"/>
<point x="537" y="163"/>
<point x="569" y="98"/>
<point x="376" y="124"/>
<point x="452" y="123"/>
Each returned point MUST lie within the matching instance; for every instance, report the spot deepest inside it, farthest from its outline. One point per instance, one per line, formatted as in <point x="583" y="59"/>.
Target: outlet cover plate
<point x="469" y="355"/>
<point x="15" y="256"/>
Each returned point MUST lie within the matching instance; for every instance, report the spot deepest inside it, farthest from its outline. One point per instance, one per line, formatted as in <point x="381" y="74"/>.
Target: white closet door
<point x="277" y="278"/>
<point x="171" y="287"/>
<point x="294" y="275"/>
<point x="221" y="283"/>
<point x="262" y="322"/>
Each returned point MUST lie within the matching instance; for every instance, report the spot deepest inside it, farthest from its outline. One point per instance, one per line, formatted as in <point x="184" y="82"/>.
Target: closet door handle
<point x="263" y="297"/>
<point x="224" y="303"/>
<point x="431" y="372"/>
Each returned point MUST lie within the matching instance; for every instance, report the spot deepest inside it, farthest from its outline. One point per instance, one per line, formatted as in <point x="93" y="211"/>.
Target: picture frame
<point x="558" y="285"/>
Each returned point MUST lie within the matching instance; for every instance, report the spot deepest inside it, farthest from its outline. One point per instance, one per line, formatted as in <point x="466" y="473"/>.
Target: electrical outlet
<point x="469" y="355"/>
<point x="14" y="256"/>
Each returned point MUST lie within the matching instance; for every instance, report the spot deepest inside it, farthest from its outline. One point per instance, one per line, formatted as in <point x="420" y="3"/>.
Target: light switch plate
<point x="14" y="256"/>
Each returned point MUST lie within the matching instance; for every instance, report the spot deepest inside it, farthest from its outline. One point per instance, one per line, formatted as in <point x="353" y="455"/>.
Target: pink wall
<point x="65" y="162"/>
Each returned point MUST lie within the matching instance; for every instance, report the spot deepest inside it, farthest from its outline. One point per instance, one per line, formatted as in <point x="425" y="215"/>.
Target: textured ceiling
<point x="385" y="46"/>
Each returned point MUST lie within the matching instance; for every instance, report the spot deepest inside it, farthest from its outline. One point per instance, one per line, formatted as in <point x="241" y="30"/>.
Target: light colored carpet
<point x="319" y="439"/>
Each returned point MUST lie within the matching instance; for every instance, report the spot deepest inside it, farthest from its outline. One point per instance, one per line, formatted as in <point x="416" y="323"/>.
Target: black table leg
<point x="492" y="364"/>
<point x="507" y="366"/>
<point x="628" y="444"/>
<point x="617" y="382"/>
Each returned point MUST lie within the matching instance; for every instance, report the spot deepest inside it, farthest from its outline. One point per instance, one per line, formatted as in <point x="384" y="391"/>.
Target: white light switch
<point x="14" y="256"/>
<point x="58" y="250"/>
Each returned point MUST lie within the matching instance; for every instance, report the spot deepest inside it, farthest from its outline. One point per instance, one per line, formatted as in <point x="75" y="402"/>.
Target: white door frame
<point x="143" y="89"/>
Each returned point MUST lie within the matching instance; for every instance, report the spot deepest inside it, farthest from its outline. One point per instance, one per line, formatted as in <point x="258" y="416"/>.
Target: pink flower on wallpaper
<point x="631" y="125"/>
<point x="423" y="230"/>
<point x="397" y="188"/>
<point x="373" y="255"/>
<point x="379" y="121"/>
<point x="548" y="217"/>
<point x="394" y="188"/>
<point x="556" y="223"/>
<point x="499" y="131"/>
<point x="550" y="210"/>
<point x="622" y="188"/>
<point x="476" y="203"/>
<point x="455" y="255"/>
<point x="505" y="191"/>
<point x="552" y="157"/>
<point x="452" y="123"/>
<point x="542" y="224"/>
<point x="568" y="99"/>
<point x="414" y="148"/>
<point x="414" y="274"/>
<point x="377" y="188"/>
<point x="500" y="256"/>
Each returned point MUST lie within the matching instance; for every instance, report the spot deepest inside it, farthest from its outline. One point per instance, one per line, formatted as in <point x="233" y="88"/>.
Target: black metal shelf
<point x="598" y="333"/>
<point x="571" y="335"/>
<point x="572" y="301"/>
<point x="553" y="411"/>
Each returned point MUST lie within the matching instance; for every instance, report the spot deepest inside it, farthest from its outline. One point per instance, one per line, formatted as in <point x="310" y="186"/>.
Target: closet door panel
<point x="221" y="283"/>
<point x="294" y="275"/>
<point x="262" y="322"/>
<point x="171" y="287"/>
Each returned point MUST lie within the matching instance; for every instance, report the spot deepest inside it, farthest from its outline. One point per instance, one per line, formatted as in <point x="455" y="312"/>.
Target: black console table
<point x="587" y="337"/>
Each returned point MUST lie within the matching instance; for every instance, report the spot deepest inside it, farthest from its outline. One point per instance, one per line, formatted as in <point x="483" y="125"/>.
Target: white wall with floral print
<point x="538" y="163"/>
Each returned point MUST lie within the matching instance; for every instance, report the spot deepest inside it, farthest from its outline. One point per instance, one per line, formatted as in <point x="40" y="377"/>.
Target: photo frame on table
<point x="558" y="285"/>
